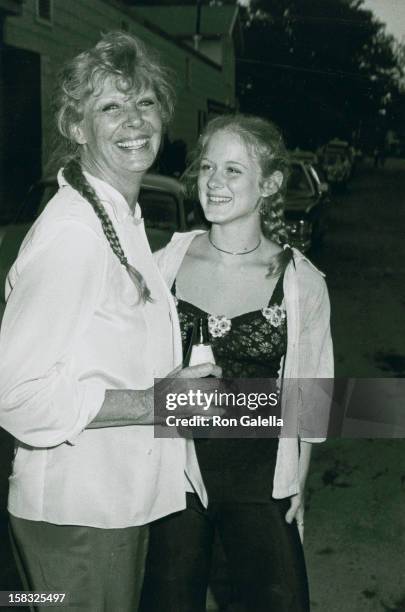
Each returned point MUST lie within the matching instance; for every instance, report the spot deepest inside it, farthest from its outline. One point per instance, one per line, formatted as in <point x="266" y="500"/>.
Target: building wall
<point x="77" y="24"/>
<point x="212" y="49"/>
<point x="229" y="68"/>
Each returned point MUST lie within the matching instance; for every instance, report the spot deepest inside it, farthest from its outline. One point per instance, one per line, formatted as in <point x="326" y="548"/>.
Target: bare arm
<point x="304" y="462"/>
<point x="297" y="506"/>
<point x="123" y="407"/>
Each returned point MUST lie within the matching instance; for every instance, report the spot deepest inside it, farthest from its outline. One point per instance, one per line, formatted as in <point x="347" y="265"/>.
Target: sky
<point x="392" y="13"/>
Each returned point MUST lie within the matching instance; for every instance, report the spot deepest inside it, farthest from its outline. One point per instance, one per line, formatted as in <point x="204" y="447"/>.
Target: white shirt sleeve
<point x="58" y="279"/>
<point x="316" y="363"/>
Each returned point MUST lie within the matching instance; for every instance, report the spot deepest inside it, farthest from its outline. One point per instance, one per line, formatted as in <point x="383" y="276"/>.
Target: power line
<point x="339" y="73"/>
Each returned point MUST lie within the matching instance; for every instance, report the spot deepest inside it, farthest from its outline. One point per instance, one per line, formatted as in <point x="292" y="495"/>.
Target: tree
<point x="319" y="68"/>
<point x="136" y="3"/>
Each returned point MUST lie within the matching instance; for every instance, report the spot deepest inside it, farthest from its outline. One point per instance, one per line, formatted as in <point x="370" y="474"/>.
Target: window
<point x="202" y="120"/>
<point x="187" y="73"/>
<point x="298" y="183"/>
<point x="44" y="11"/>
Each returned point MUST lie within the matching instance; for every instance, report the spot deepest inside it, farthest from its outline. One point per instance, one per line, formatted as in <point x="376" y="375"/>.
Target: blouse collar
<point x="110" y="196"/>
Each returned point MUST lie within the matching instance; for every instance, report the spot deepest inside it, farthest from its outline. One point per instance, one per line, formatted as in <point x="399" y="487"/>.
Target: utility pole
<point x="197" y="36"/>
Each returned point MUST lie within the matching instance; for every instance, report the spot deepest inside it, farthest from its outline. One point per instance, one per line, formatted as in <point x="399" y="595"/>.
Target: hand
<point x="204" y="370"/>
<point x="198" y="371"/>
<point x="296" y="512"/>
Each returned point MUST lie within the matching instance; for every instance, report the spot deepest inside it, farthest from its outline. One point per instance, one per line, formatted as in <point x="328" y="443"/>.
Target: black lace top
<point x="250" y="345"/>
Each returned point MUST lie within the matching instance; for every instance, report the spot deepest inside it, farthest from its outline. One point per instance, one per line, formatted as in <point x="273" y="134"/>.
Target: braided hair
<point x="73" y="173"/>
<point x="266" y="143"/>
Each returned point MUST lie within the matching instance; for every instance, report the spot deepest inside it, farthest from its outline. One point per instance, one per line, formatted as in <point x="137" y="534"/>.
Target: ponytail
<point x="274" y="228"/>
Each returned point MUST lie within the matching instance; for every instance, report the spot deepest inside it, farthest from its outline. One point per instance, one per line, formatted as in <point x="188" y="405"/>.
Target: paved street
<point x="355" y="527"/>
<point x="364" y="262"/>
<point x="355" y="524"/>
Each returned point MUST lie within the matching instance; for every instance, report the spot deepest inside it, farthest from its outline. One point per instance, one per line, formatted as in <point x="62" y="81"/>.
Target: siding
<point x="78" y="24"/>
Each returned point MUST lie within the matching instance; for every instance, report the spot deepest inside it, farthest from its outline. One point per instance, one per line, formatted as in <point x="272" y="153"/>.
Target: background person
<point x="89" y="323"/>
<point x="268" y="314"/>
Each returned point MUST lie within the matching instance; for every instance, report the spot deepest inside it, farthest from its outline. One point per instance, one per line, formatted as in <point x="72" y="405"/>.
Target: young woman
<point x="268" y="314"/>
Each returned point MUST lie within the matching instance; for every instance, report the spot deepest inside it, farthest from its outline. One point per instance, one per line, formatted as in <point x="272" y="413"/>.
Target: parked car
<point x="164" y="208"/>
<point x="312" y="160"/>
<point x="338" y="162"/>
<point x="304" y="155"/>
<point x="306" y="206"/>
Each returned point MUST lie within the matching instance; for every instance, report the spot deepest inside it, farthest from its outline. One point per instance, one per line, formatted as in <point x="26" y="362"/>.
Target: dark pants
<point x="100" y="570"/>
<point x="264" y="556"/>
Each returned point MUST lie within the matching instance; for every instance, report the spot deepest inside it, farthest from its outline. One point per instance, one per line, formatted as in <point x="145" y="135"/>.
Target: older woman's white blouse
<point x="72" y="330"/>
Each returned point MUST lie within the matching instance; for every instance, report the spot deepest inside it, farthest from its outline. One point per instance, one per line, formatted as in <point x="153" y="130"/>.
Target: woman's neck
<point x="128" y="186"/>
<point x="235" y="238"/>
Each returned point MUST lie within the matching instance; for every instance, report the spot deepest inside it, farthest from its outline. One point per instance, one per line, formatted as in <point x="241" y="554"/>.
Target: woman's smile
<point x="134" y="144"/>
<point x="217" y="199"/>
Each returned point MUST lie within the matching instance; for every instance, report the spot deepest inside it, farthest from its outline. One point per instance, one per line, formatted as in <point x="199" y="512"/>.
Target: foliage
<point x="319" y="68"/>
<point x="136" y="3"/>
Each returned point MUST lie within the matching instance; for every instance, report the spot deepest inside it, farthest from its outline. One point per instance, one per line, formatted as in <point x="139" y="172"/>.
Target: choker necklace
<point x="234" y="252"/>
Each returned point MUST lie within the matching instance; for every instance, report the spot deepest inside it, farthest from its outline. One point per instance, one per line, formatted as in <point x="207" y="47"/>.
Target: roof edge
<point x="135" y="16"/>
<point x="11" y="7"/>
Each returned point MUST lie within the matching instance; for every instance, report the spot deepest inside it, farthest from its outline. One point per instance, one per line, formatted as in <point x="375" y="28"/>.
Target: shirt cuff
<point x="93" y="396"/>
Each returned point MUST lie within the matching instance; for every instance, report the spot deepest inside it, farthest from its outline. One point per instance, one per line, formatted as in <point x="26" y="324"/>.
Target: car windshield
<point x="319" y="173"/>
<point x="315" y="174"/>
<point x="159" y="209"/>
<point x="298" y="183"/>
<point x="331" y="160"/>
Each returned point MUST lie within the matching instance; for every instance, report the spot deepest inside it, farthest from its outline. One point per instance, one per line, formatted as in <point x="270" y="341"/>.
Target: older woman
<point x="268" y="314"/>
<point x="89" y="323"/>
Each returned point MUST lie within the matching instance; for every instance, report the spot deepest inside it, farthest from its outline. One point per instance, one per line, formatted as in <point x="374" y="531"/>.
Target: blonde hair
<point x="133" y="65"/>
<point x="119" y="55"/>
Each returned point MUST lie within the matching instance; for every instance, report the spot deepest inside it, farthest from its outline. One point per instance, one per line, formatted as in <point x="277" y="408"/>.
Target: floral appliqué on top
<point x="249" y="345"/>
<point x="220" y="325"/>
<point x="275" y="315"/>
